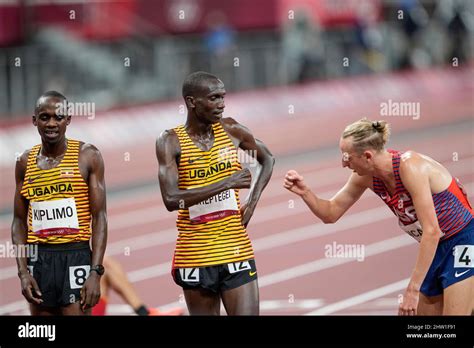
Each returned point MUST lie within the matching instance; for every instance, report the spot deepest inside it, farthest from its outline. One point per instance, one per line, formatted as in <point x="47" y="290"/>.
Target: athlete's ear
<point x="34" y="120"/>
<point x="368" y="154"/>
<point x="68" y="120"/>
<point x="190" y="103"/>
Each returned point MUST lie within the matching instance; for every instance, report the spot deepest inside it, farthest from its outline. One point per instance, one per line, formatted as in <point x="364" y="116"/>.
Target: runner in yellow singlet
<point x="59" y="206"/>
<point x="200" y="176"/>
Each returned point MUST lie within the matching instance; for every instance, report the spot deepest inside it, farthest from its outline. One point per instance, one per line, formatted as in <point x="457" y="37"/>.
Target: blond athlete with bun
<point x="430" y="204"/>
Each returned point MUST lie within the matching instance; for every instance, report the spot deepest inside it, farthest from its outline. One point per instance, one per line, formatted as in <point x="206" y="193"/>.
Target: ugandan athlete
<point x="59" y="206"/>
<point x="200" y="176"/>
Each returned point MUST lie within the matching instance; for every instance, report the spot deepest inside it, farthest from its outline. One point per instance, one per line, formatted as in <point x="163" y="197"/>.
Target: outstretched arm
<point x="167" y="150"/>
<point x="329" y="211"/>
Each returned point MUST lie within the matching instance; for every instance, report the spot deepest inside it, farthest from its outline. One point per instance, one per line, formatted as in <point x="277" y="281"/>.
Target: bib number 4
<point x="464" y="256"/>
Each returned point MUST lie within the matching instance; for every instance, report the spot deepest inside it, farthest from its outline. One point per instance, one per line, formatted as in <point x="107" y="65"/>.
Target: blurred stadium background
<point x="296" y="72"/>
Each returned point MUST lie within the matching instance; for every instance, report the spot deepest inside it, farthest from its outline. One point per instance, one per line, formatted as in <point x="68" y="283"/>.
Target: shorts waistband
<point x="468" y="228"/>
<point x="63" y="246"/>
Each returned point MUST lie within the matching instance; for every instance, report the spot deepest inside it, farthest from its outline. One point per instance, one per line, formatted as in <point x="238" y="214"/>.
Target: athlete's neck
<point x="194" y="126"/>
<point x="383" y="168"/>
<point x="54" y="150"/>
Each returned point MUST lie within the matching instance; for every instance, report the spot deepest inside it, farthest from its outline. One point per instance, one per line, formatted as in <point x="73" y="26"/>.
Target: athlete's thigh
<point x="202" y="301"/>
<point x="243" y="300"/>
<point x="459" y="297"/>
<point x="74" y="309"/>
<point x="37" y="310"/>
<point x="430" y="305"/>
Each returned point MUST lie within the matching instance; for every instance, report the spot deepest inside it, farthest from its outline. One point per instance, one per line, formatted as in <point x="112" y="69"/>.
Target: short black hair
<point x="194" y="81"/>
<point x="47" y="94"/>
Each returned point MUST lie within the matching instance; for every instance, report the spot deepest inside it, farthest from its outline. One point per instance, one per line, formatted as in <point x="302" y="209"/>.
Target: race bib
<point x="463" y="256"/>
<point x="235" y="267"/>
<point x="78" y="276"/>
<point x="214" y="208"/>
<point x="58" y="217"/>
<point x="414" y="229"/>
<point x="190" y="275"/>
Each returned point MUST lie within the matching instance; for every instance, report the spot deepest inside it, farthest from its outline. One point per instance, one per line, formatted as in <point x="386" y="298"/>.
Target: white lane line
<point x="362" y="298"/>
<point x="8" y="272"/>
<point x="272" y="305"/>
<point x="14" y="306"/>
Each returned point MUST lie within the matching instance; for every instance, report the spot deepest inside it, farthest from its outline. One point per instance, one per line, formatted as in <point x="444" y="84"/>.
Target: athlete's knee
<point x="430" y="305"/>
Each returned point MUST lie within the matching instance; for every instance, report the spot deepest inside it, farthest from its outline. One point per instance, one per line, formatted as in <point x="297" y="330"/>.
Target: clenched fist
<point x="294" y="183"/>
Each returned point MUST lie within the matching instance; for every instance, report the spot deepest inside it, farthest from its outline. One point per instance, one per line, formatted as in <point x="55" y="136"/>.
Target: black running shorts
<point x="60" y="271"/>
<point x="216" y="278"/>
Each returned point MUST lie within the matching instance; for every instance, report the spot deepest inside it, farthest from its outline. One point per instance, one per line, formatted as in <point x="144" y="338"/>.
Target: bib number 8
<point x="78" y="276"/>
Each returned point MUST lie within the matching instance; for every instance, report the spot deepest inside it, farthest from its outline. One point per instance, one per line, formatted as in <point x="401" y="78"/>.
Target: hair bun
<point x="376" y="125"/>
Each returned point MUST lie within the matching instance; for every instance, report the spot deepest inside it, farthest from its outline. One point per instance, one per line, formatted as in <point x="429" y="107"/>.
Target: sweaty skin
<point x="52" y="129"/>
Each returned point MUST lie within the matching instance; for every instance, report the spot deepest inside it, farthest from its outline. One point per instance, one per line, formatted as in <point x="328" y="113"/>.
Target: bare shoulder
<point x="413" y="162"/>
<point x="167" y="137"/>
<point x="236" y="129"/>
<point x="89" y="153"/>
<point x="22" y="159"/>
<point x="232" y="126"/>
<point x="229" y="122"/>
<point x="88" y="149"/>
<point x="22" y="162"/>
<point x="168" y="143"/>
<point x="410" y="156"/>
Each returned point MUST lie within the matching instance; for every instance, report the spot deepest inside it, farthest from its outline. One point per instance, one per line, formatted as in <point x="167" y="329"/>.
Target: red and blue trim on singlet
<point x="453" y="210"/>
